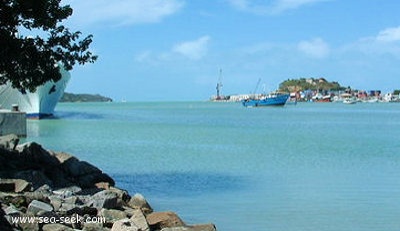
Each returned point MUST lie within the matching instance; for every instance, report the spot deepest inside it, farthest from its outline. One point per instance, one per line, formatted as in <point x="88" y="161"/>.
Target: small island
<point x="71" y="97"/>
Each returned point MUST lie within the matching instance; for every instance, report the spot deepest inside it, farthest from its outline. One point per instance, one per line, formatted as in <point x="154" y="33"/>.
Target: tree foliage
<point x="292" y="85"/>
<point x="28" y="61"/>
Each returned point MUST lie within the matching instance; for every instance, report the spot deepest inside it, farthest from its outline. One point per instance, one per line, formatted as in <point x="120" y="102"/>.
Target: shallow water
<point x="305" y="167"/>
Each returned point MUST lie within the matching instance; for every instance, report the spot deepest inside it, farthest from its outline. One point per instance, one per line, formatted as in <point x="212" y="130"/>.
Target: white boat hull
<point x="38" y="104"/>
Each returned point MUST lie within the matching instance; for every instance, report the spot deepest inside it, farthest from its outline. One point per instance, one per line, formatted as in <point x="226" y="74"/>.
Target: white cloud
<point x="121" y="12"/>
<point x="283" y="5"/>
<point x="389" y="35"/>
<point x="386" y="42"/>
<point x="195" y="49"/>
<point x="276" y="7"/>
<point x="316" y="48"/>
<point x="249" y="6"/>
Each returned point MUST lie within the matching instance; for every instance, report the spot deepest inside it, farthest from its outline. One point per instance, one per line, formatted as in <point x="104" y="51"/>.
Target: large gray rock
<point x="125" y="225"/>
<point x="22" y="185"/>
<point x="12" y="211"/>
<point x="139" y="202"/>
<point x="122" y="194"/>
<point x="160" y="220"/>
<point x="41" y="194"/>
<point x="56" y="202"/>
<point x="94" y="227"/>
<point x="68" y="191"/>
<point x="139" y="220"/>
<point x="112" y="215"/>
<point x="86" y="175"/>
<point x="56" y="227"/>
<point x="36" y="207"/>
<point x="105" y="199"/>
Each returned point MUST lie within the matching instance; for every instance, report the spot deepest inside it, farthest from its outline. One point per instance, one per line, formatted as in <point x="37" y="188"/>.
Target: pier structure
<point x="12" y="122"/>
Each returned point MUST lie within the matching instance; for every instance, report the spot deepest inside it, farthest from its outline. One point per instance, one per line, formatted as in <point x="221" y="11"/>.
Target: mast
<point x="219" y="85"/>
<point x="257" y="85"/>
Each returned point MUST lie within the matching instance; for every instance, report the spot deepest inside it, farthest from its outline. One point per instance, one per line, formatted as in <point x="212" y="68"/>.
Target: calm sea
<point x="317" y="167"/>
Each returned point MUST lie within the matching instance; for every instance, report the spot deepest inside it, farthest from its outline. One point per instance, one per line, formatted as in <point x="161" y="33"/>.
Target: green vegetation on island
<point x="302" y="84"/>
<point x="70" y="97"/>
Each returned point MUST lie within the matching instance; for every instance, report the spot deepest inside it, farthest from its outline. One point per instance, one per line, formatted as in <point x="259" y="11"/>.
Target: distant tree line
<point x="70" y="97"/>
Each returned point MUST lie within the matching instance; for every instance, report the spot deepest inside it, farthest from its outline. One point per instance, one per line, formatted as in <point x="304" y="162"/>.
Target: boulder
<point x="124" y="225"/>
<point x="74" y="167"/>
<point x="105" y="199"/>
<point x="94" y="227"/>
<point x="12" y="211"/>
<point x="68" y="208"/>
<point x="31" y="226"/>
<point x="56" y="227"/>
<point x="139" y="202"/>
<point x="36" y="207"/>
<point x="112" y="215"/>
<point x="35" y="177"/>
<point x="90" y="180"/>
<point x="56" y="202"/>
<point x="83" y="173"/>
<point x="160" y="220"/>
<point x="9" y="142"/>
<point x="122" y="194"/>
<point x="41" y="194"/>
<point x="68" y="191"/>
<point x="14" y="185"/>
<point x="34" y="154"/>
<point x="139" y="220"/>
<point x="83" y="211"/>
<point x="102" y="185"/>
<point x="22" y="185"/>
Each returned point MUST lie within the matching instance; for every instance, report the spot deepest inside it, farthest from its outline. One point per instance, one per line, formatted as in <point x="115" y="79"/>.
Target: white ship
<point x="38" y="104"/>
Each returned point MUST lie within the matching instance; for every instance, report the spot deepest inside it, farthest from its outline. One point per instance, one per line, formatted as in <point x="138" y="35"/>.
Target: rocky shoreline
<point x="45" y="190"/>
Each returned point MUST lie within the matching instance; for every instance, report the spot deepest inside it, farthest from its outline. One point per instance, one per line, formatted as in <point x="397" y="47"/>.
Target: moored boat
<point x="39" y="104"/>
<point x="349" y="101"/>
<point x="273" y="99"/>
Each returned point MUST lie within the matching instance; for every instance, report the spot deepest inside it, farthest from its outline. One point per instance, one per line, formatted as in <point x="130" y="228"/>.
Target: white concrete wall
<point x="12" y="123"/>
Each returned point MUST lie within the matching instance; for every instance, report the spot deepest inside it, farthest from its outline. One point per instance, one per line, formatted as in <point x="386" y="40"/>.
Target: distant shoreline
<point x="74" y="98"/>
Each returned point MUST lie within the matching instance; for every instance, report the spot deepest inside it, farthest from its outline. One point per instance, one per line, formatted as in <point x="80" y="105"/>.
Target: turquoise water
<point x="306" y="167"/>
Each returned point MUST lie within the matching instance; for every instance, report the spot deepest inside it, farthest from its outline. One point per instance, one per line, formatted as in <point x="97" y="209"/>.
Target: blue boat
<point x="273" y="99"/>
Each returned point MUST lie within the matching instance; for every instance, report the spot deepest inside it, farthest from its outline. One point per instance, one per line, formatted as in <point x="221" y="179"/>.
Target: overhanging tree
<point x="28" y="61"/>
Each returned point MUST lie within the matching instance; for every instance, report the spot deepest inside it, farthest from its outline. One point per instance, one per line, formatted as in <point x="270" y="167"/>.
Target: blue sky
<point x="172" y="50"/>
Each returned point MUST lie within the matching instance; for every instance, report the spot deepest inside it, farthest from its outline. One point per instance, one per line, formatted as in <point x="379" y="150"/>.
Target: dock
<point x="12" y="122"/>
